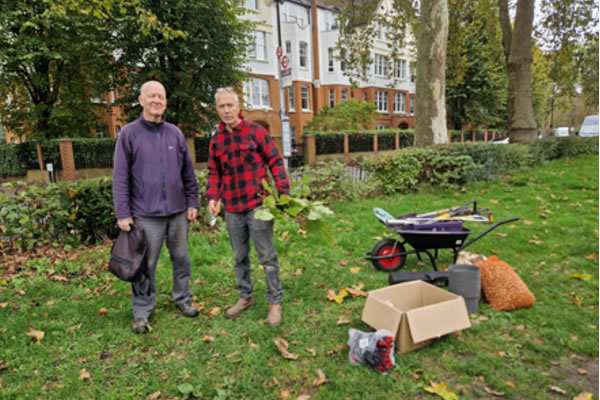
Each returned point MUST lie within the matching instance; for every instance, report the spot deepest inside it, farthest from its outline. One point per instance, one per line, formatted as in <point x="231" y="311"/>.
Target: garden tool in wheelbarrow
<point x="428" y="232"/>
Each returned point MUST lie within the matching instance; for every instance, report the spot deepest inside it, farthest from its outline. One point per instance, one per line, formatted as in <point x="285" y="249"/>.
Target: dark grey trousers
<point x="242" y="227"/>
<point x="143" y="290"/>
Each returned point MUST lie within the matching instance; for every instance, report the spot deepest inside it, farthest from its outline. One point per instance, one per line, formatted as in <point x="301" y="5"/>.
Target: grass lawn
<point x="548" y="351"/>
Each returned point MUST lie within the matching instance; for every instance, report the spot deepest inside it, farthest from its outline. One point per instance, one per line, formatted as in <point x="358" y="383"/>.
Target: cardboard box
<point x="415" y="312"/>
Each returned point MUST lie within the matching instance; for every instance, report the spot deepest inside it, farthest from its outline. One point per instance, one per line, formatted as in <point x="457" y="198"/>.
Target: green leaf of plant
<point x="263" y="215"/>
<point x="185" y="388"/>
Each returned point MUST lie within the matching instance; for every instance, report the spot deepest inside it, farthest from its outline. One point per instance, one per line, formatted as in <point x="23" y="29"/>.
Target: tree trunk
<point x="517" y="50"/>
<point x="430" y="110"/>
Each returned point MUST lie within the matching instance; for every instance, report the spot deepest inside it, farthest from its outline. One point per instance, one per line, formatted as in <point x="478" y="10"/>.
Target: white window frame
<point x="259" y="49"/>
<point x="412" y="70"/>
<point x="330" y="60"/>
<point x="400" y="103"/>
<point x="344" y="96"/>
<point x="291" y="99"/>
<point x="380" y="127"/>
<point x="400" y="69"/>
<point x="253" y="5"/>
<point x="257" y="89"/>
<point x="303" y="55"/>
<point x="381" y="101"/>
<point x="412" y="105"/>
<point x="288" y="47"/>
<point x="381" y="66"/>
<point x="305" y="97"/>
<point x="331" y="98"/>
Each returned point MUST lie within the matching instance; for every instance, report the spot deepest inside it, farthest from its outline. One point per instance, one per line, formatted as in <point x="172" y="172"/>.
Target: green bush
<point x="395" y="172"/>
<point x="329" y="143"/>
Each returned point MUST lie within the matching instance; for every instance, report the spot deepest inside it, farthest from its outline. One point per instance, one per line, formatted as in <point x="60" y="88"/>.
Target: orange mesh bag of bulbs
<point x="503" y="287"/>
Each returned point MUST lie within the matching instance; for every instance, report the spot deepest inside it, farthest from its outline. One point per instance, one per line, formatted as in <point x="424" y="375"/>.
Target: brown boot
<point x="274" y="316"/>
<point x="239" y="307"/>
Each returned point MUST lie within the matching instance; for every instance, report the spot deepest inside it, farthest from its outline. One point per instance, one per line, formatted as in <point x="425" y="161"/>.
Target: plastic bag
<point x="376" y="349"/>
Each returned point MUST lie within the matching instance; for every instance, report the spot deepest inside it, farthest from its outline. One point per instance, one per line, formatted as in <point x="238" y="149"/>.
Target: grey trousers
<point x="143" y="290"/>
<point x="242" y="226"/>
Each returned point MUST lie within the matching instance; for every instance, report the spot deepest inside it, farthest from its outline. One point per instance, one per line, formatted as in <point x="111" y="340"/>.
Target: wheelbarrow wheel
<point x="385" y="248"/>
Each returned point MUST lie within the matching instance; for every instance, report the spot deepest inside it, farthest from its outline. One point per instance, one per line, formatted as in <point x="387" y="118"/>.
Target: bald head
<point x="153" y="99"/>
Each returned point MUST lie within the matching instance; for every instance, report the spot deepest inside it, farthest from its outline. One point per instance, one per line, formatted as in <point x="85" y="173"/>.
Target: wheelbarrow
<point x="427" y="233"/>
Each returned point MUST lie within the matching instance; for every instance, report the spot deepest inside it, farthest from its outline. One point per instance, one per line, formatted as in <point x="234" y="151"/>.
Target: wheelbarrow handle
<point x="491" y="228"/>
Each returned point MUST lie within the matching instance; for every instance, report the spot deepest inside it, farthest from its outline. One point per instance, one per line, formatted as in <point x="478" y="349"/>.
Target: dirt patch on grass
<point x="577" y="371"/>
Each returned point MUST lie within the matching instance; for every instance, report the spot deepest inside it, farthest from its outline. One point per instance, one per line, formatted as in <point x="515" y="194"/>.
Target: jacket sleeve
<point x="188" y="176"/>
<point x="269" y="153"/>
<point x="122" y="176"/>
<point x="213" y="181"/>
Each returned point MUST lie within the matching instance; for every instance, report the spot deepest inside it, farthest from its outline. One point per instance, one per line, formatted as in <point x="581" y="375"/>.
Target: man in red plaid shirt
<point x="239" y="155"/>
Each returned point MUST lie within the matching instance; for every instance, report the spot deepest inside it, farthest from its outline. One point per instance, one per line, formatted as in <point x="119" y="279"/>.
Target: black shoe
<point x="140" y="325"/>
<point x="188" y="309"/>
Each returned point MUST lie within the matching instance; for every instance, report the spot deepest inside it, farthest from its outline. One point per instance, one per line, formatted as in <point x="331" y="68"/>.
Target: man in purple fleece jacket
<point x="154" y="186"/>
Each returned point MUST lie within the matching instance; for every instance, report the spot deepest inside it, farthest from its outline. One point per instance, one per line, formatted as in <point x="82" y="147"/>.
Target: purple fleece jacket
<point x="153" y="172"/>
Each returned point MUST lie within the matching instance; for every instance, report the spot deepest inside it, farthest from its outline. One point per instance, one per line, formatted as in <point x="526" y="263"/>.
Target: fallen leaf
<point x="583" y="277"/>
<point x="3" y="305"/>
<point x="336" y="349"/>
<point x="285" y="394"/>
<point x="342" y="321"/>
<point x="543" y="216"/>
<point x="581" y="371"/>
<point x="284" y="235"/>
<point x="343" y="262"/>
<point x="214" y="311"/>
<point x="154" y="396"/>
<point x="592" y="256"/>
<point x="510" y="383"/>
<point x="282" y="346"/>
<point x="355" y="292"/>
<point x="354" y="270"/>
<point x="103" y="311"/>
<point x="298" y="272"/>
<point x="501" y="353"/>
<point x="493" y="392"/>
<point x="574" y="338"/>
<point x="440" y="390"/>
<point x="494" y="201"/>
<point x="208" y="339"/>
<point x="301" y="232"/>
<point x="3" y="364"/>
<point x="338" y="298"/>
<point x="536" y="242"/>
<point x="557" y="389"/>
<point x="84" y="375"/>
<point x="311" y="351"/>
<point x="321" y="378"/>
<point x="527" y="222"/>
<point x="479" y="319"/>
<point x="584" y="396"/>
<point x="234" y="354"/>
<point x="37" y="335"/>
<point x="501" y="234"/>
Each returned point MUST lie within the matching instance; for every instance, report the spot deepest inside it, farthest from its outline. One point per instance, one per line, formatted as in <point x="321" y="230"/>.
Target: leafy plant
<point x="309" y="214"/>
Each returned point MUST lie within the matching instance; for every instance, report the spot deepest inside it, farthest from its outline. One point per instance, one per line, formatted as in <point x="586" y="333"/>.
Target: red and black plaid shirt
<point x="237" y="164"/>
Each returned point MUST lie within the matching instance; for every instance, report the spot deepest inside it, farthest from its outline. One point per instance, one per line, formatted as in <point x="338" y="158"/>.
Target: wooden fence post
<point x="397" y="140"/>
<point x="310" y="156"/>
<point x="192" y="149"/>
<point x="375" y="142"/>
<point x="67" y="159"/>
<point x="346" y="148"/>
<point x="43" y="176"/>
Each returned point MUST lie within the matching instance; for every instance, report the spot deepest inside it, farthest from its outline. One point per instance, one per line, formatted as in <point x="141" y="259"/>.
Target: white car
<point x="505" y="140"/>
<point x="589" y="126"/>
<point x="562" y="131"/>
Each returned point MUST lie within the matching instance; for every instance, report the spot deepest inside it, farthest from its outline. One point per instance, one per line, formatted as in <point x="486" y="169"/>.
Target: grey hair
<point x="148" y="83"/>
<point x="227" y="90"/>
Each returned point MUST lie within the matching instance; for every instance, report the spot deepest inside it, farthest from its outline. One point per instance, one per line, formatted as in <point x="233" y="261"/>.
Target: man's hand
<point x="214" y="207"/>
<point x="192" y="214"/>
<point x="124" y="224"/>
